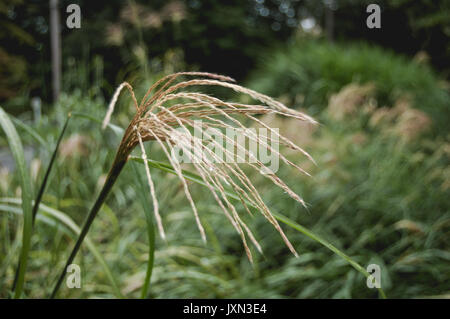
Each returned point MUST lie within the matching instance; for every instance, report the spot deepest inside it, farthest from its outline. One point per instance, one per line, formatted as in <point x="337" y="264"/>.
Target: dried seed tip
<point x="111" y="105"/>
<point x="114" y="99"/>
<point x="152" y="187"/>
<point x="209" y="75"/>
<point x="172" y="77"/>
<point x="177" y="168"/>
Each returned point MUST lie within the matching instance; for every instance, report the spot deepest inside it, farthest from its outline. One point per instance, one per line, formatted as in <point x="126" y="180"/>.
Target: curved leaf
<point x="27" y="194"/>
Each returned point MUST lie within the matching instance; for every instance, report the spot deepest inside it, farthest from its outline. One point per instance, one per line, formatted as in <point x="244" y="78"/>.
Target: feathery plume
<point x="173" y="118"/>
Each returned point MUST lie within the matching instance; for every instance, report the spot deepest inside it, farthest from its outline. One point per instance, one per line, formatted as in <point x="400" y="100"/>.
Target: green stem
<point x="112" y="177"/>
<point x="151" y="258"/>
<point x="150" y="231"/>
<point x="49" y="168"/>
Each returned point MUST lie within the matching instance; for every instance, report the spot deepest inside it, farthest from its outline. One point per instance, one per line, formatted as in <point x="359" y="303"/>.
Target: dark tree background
<point x="217" y="36"/>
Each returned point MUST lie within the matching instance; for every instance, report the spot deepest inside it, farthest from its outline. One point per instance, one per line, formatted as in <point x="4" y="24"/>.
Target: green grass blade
<point x="197" y="179"/>
<point x="71" y="228"/>
<point x="43" y="185"/>
<point x="27" y="194"/>
<point x="112" y="176"/>
<point x="31" y="131"/>
<point x="117" y="129"/>
<point x="49" y="168"/>
<point x="323" y="242"/>
<point x="145" y="200"/>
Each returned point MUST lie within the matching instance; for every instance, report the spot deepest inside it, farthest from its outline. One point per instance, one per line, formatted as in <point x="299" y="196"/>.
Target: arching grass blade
<point x="197" y="179"/>
<point x="43" y="184"/>
<point x="48" y="215"/>
<point x="27" y="194"/>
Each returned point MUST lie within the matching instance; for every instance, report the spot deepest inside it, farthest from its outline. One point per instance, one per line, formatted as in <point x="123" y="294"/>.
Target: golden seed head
<point x="168" y="113"/>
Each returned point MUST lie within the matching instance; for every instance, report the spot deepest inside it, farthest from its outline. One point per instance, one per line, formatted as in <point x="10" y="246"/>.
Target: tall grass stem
<point x="109" y="183"/>
<point x="145" y="200"/>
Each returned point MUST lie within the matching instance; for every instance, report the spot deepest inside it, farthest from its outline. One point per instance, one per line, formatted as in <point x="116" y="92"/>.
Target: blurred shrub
<point x="308" y="72"/>
<point x="379" y="191"/>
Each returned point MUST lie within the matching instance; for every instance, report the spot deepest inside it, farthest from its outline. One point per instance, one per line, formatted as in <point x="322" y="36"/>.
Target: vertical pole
<point x="329" y="20"/>
<point x="55" y="39"/>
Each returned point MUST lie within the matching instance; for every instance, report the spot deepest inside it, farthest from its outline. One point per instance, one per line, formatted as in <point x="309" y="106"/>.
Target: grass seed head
<point x="170" y="111"/>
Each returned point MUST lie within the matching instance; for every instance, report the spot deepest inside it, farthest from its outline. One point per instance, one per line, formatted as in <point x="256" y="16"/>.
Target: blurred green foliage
<point x="13" y="66"/>
<point x="307" y="72"/>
